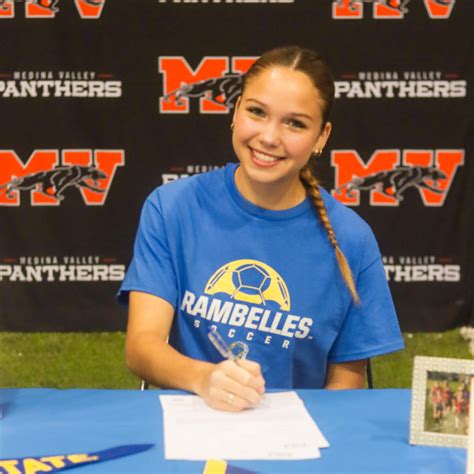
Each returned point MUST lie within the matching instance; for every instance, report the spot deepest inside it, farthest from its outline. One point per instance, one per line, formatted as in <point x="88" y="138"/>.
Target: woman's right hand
<point x="232" y="385"/>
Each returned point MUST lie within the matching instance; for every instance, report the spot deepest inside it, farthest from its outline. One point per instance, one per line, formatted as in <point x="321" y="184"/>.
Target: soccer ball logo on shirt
<point x="250" y="281"/>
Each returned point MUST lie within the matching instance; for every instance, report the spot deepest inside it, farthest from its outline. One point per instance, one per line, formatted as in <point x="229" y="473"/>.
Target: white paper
<point x="279" y="428"/>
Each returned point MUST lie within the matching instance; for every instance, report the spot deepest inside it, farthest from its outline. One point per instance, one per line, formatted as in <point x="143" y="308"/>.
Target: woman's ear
<point x="236" y="106"/>
<point x="323" y="136"/>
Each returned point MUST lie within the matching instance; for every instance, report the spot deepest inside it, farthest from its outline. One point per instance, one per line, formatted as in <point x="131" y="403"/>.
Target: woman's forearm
<point x="154" y="360"/>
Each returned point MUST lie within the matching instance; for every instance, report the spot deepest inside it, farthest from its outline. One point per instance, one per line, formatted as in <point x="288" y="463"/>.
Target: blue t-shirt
<point x="268" y="280"/>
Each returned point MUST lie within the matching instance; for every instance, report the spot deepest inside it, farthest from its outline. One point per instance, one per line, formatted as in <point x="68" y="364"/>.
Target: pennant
<point x="61" y="462"/>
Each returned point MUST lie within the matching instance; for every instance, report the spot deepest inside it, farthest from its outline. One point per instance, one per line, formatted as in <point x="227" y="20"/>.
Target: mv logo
<point x="87" y="9"/>
<point x="389" y="9"/>
<point x="46" y="177"/>
<point x="216" y="82"/>
<point x="386" y="177"/>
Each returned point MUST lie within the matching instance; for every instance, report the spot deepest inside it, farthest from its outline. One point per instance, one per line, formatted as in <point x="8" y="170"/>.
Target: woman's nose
<point x="270" y="135"/>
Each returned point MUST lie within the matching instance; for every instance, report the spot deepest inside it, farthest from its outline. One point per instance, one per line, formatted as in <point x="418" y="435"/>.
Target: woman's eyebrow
<point x="255" y="100"/>
<point x="293" y="114"/>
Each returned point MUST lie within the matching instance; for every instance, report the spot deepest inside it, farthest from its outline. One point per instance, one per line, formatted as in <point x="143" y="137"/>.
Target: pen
<point x="221" y="346"/>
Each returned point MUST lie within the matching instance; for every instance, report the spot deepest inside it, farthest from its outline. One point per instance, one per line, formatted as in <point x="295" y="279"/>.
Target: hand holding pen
<point x="234" y="384"/>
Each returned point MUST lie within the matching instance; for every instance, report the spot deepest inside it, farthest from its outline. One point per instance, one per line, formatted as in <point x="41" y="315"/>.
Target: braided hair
<point x="312" y="64"/>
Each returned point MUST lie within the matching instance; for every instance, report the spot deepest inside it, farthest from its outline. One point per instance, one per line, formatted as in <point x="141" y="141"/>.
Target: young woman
<point x="261" y="252"/>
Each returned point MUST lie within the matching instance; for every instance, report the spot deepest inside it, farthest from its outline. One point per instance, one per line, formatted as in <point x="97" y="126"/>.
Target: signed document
<point x="279" y="428"/>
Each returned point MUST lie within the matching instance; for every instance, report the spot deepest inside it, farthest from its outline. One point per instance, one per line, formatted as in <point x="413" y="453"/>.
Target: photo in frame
<point x="440" y="401"/>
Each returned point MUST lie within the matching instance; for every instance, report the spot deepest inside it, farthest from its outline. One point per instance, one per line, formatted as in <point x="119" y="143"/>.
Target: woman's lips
<point x="264" y="159"/>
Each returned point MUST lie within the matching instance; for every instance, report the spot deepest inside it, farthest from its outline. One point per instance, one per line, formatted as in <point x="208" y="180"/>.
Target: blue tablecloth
<point x="368" y="431"/>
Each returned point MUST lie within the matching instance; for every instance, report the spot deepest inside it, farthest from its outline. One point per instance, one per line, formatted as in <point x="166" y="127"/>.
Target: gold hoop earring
<point x="317" y="153"/>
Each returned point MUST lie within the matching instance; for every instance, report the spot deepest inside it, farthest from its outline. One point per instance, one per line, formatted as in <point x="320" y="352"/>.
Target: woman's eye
<point x="256" y="111"/>
<point x="296" y="123"/>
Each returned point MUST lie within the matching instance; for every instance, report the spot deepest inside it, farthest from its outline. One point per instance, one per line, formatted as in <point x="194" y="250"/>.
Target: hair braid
<point x="312" y="188"/>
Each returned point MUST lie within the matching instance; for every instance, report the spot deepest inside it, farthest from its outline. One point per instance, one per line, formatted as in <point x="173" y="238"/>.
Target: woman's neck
<point x="275" y="196"/>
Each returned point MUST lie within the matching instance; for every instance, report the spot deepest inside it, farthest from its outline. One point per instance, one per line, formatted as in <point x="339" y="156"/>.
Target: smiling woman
<point x="251" y="251"/>
<point x="275" y="132"/>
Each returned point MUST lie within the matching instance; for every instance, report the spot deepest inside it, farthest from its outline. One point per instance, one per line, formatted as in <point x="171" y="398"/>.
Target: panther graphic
<point x="397" y="180"/>
<point x="229" y="85"/>
<point x="52" y="183"/>
<point x="49" y="4"/>
<point x="53" y="4"/>
<point x="400" y="5"/>
<point x="397" y="5"/>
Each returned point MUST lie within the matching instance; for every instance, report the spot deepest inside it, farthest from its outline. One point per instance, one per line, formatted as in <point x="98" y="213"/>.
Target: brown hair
<point x="312" y="64"/>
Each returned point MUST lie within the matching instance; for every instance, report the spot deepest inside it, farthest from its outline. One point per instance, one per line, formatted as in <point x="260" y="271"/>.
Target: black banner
<point x="104" y="100"/>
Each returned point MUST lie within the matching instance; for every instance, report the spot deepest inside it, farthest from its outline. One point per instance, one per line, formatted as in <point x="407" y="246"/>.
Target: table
<point x="367" y="429"/>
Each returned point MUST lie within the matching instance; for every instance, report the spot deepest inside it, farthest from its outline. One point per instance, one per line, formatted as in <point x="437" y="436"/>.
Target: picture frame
<point x="440" y="401"/>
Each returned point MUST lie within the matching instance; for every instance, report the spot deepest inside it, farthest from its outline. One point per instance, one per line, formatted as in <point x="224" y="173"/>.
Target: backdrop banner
<point x="103" y="100"/>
